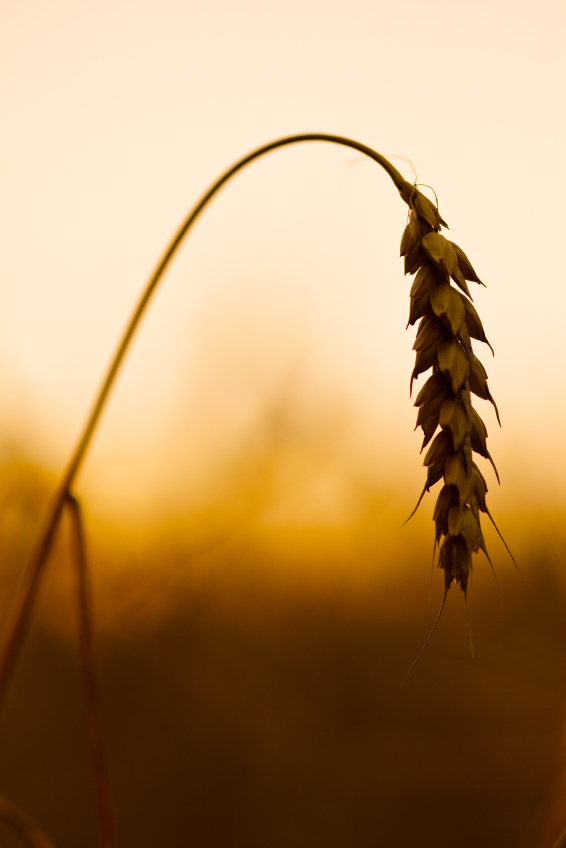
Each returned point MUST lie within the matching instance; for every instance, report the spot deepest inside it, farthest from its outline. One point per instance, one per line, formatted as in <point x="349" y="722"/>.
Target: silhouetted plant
<point x="448" y="322"/>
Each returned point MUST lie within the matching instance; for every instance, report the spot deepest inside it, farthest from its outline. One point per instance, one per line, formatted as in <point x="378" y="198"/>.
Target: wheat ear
<point x="448" y="322"/>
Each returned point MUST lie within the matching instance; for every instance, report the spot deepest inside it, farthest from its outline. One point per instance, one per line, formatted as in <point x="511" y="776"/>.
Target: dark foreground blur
<point x="246" y="707"/>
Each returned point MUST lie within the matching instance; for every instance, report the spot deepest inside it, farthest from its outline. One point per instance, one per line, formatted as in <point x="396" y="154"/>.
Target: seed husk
<point x="453" y="363"/>
<point x="426" y="358"/>
<point x="435" y="472"/>
<point x="479" y="440"/>
<point x="455" y="515"/>
<point x="419" y="307"/>
<point x="479" y="487"/>
<point x="427" y="211"/>
<point x="447" y="305"/>
<point x="414" y="258"/>
<point x="478" y="383"/>
<point x="456" y="561"/>
<point x="440" y="448"/>
<point x="440" y="252"/>
<point x="429" y="430"/>
<point x="465" y="265"/>
<point x="469" y="529"/>
<point x="479" y="435"/>
<point x="430" y="410"/>
<point x="452" y="417"/>
<point x="478" y="378"/>
<point x="456" y="474"/>
<point x="473" y="323"/>
<point x="425" y="281"/>
<point x="464" y="337"/>
<point x="435" y="385"/>
<point x="423" y="284"/>
<point x="412" y="234"/>
<point x="444" y="502"/>
<point x="429" y="332"/>
<point x="443" y="256"/>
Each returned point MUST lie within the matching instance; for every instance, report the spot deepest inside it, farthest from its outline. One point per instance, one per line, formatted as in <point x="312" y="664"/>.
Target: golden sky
<point x="286" y="310"/>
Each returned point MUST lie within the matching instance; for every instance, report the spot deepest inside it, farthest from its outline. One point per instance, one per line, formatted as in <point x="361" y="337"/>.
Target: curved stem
<point x="561" y="843"/>
<point x="24" y="825"/>
<point x="16" y="628"/>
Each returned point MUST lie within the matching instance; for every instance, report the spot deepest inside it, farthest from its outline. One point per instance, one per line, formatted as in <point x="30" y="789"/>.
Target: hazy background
<point x="258" y="452"/>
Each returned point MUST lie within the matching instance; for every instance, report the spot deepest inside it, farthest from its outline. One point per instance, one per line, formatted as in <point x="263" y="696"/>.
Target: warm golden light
<point x="257" y="597"/>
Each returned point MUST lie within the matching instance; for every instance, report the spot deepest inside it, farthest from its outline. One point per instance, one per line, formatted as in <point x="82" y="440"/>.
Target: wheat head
<point x="448" y="322"/>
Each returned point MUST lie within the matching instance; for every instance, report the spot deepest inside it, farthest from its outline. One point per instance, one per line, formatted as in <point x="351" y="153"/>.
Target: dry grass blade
<point x="24" y="825"/>
<point x="85" y="638"/>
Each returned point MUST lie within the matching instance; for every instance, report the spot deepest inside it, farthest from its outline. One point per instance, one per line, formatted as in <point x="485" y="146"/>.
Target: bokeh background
<point x="257" y="598"/>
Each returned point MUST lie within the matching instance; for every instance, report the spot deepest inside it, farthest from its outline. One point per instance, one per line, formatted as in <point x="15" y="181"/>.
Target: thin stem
<point x="84" y="605"/>
<point x="17" y="626"/>
<point x="561" y="842"/>
<point x="24" y="825"/>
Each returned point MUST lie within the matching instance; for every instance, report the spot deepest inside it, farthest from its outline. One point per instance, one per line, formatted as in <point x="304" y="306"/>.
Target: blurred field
<point x="250" y="677"/>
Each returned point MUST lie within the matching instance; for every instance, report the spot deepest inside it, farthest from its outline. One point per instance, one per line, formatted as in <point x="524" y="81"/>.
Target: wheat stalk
<point x="21" y="614"/>
<point x="18" y="623"/>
